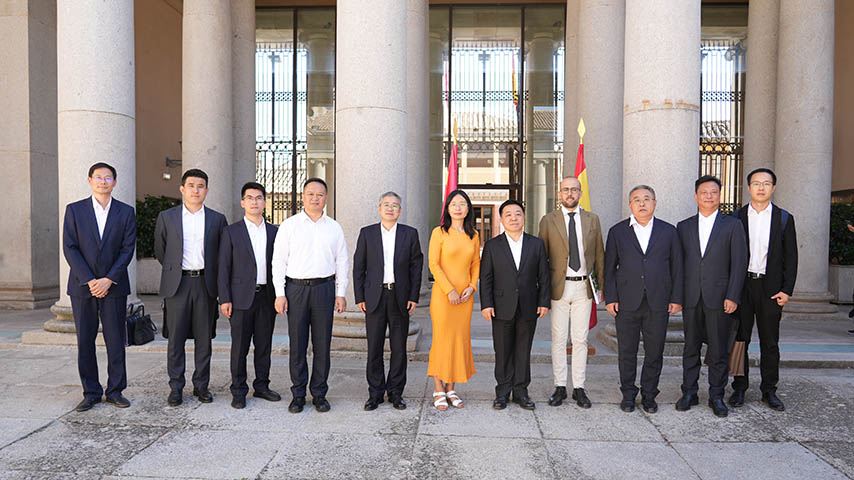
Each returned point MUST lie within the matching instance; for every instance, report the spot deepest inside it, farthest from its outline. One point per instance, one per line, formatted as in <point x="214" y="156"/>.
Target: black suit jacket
<point x="238" y="272"/>
<point x="720" y="273"/>
<point x="169" y="248"/>
<point x="91" y="256"/>
<point x="629" y="273"/>
<point x="368" y="266"/>
<point x="781" y="267"/>
<point x="504" y="287"/>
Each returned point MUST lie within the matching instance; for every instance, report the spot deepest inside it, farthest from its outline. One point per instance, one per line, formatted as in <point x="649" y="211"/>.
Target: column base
<point x="674" y="341"/>
<point x="349" y="333"/>
<point x="810" y="302"/>
<point x="14" y="297"/>
<point x="64" y="320"/>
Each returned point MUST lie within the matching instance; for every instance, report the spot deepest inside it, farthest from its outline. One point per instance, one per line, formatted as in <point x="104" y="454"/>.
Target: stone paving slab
<point x="839" y="454"/>
<point x="617" y="460"/>
<point x="13" y="429"/>
<point x="761" y="460"/>
<point x="475" y="457"/>
<point x="700" y="425"/>
<point x="601" y="422"/>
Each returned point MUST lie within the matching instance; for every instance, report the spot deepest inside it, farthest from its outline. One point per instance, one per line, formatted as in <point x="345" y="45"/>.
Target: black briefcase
<point x="140" y="328"/>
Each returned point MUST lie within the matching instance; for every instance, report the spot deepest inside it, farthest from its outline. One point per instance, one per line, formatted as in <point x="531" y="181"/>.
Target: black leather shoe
<point x="119" y="401"/>
<point x="500" y="403"/>
<point x="525" y="402"/>
<point x="719" y="407"/>
<point x="372" y="404"/>
<point x="580" y="398"/>
<point x="238" y="401"/>
<point x="86" y="404"/>
<point x="737" y="398"/>
<point x="627" y="406"/>
<point x="320" y="404"/>
<point x="296" y="405"/>
<point x="649" y="405"/>
<point x="397" y="402"/>
<point x="773" y="402"/>
<point x="558" y="397"/>
<point x="687" y="401"/>
<point x="268" y="395"/>
<point x="175" y="398"/>
<point x="205" y="396"/>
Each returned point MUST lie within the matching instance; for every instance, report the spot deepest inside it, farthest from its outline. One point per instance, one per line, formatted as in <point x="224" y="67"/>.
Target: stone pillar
<point x="437" y="122"/>
<point x="570" y="94"/>
<point x="539" y="155"/>
<point x="601" y="31"/>
<point x="417" y="200"/>
<point x="206" y="92"/>
<point x="242" y="99"/>
<point x="804" y="142"/>
<point x="29" y="263"/>
<point x="320" y="108"/>
<point x="96" y="112"/>
<point x="661" y="120"/>
<point x="761" y="89"/>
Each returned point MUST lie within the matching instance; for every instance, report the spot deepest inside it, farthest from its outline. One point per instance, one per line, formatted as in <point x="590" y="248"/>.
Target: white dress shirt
<point x="101" y="214"/>
<point x="642" y="232"/>
<point x="759" y="226"/>
<point x="258" y="237"/>
<point x="515" y="248"/>
<point x="308" y="249"/>
<point x="582" y="269"/>
<point x="388" y="237"/>
<point x="705" y="225"/>
<point x="194" y="238"/>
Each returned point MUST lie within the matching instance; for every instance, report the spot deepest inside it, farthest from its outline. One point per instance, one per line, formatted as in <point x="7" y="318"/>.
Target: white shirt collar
<point x="634" y="221"/>
<point x="567" y="212"/>
<point x="710" y="218"/>
<point x="251" y="224"/>
<point x="306" y="218"/>
<point x="393" y="228"/>
<point x="514" y="242"/>
<point x="98" y="205"/>
<point x="753" y="211"/>
<point x="186" y="211"/>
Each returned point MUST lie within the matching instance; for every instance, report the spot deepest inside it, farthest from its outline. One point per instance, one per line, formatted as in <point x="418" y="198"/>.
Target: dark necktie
<point x="574" y="259"/>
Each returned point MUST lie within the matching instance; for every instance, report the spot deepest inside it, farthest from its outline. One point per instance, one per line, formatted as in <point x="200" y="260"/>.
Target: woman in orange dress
<point x="455" y="264"/>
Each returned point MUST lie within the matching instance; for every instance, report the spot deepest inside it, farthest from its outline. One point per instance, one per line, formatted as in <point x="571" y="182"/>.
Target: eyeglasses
<point x="390" y="206"/>
<point x="99" y="178"/>
<point x="641" y="201"/>
<point x="761" y="184"/>
<point x="250" y="198"/>
<point x="458" y="205"/>
<point x="570" y="190"/>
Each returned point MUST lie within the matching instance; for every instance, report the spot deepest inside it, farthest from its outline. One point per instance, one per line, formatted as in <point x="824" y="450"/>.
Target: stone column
<point x="243" y="98"/>
<point x="206" y="90"/>
<point x="96" y="112"/>
<point x="320" y="138"/>
<point x="29" y="263"/>
<point x="761" y="89"/>
<point x="803" y="149"/>
<point x="437" y="122"/>
<point x="570" y="94"/>
<point x="661" y="121"/>
<point x="417" y="201"/>
<point x="540" y="154"/>
<point x="601" y="31"/>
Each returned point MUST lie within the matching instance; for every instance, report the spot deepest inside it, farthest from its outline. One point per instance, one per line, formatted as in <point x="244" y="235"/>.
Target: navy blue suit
<point x="643" y="284"/>
<point x="91" y="257"/>
<point x="253" y="314"/>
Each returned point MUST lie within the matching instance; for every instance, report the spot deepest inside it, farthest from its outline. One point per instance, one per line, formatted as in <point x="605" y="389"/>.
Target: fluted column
<point x="570" y="94"/>
<point x="661" y="119"/>
<point x="243" y="98"/>
<point x="96" y="112"/>
<point x="417" y="200"/>
<point x="803" y="153"/>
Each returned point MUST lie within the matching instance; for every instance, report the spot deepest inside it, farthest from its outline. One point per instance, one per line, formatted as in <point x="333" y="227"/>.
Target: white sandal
<point x="455" y="399"/>
<point x="441" y="401"/>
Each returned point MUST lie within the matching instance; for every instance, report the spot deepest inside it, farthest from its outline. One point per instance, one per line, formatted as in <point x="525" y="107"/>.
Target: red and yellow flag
<point x="451" y="184"/>
<point x="581" y="175"/>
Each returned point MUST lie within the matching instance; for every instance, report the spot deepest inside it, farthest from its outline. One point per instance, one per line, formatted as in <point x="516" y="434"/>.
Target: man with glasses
<point x="98" y="240"/>
<point x="246" y="293"/>
<point x="573" y="241"/>
<point x="771" y="271"/>
<point x="387" y="270"/>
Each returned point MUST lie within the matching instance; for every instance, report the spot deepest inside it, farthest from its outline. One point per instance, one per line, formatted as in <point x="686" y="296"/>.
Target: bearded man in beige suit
<point x="573" y="240"/>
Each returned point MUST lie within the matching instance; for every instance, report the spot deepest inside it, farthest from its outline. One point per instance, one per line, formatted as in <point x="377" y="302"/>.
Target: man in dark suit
<point x="387" y="270"/>
<point x="643" y="287"/>
<point x="715" y="257"/>
<point x="98" y="240"/>
<point x="515" y="290"/>
<point x="186" y="243"/>
<point x="246" y="293"/>
<point x="771" y="271"/>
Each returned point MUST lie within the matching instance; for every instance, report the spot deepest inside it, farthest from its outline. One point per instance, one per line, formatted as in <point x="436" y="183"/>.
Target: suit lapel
<point x="694" y="236"/>
<point x="504" y="246"/>
<point x="93" y="222"/>
<point x="586" y="234"/>
<point x="247" y="241"/>
<point x="208" y="229"/>
<point x="271" y="240"/>
<point x="716" y="227"/>
<point x="398" y="241"/>
<point x="526" y="251"/>
<point x="631" y="233"/>
<point x="774" y="231"/>
<point x="112" y="218"/>
<point x="557" y="219"/>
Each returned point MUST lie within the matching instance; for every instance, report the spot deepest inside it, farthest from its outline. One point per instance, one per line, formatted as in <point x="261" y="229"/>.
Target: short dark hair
<point x="507" y="203"/>
<point x="252" y="186"/>
<point x="315" y="180"/>
<point x="704" y="179"/>
<point x="194" y="172"/>
<point x="102" y="165"/>
<point x="763" y="170"/>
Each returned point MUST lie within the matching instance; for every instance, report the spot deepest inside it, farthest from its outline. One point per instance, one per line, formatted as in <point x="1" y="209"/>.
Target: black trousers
<point x="111" y="312"/>
<point x="387" y="315"/>
<point x="629" y="325"/>
<point x="189" y="310"/>
<point x="711" y="325"/>
<point x="755" y="304"/>
<point x="252" y="326"/>
<point x="310" y="311"/>
<point x="512" y="339"/>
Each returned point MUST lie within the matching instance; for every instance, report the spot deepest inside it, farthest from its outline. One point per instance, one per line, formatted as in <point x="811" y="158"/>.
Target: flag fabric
<point x="581" y="175"/>
<point x="451" y="184"/>
<point x="513" y="81"/>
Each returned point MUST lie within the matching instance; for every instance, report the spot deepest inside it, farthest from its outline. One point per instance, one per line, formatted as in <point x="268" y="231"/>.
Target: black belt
<point x="755" y="276"/>
<point x="260" y="287"/>
<point x="577" y="279"/>
<point x="309" y="282"/>
<point x="388" y="286"/>
<point x="193" y="273"/>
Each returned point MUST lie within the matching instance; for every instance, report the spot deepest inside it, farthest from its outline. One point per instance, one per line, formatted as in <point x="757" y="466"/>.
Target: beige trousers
<point x="571" y="316"/>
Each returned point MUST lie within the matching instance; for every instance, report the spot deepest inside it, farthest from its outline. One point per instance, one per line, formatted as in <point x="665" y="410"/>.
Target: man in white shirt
<point x="387" y="269"/>
<point x="643" y="285"/>
<point x="310" y="268"/>
<point x="246" y="293"/>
